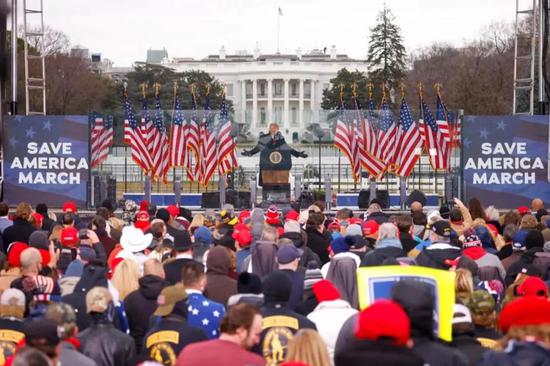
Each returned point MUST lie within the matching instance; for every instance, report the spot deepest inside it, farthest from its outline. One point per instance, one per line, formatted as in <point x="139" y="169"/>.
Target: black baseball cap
<point x="442" y="228"/>
<point x="42" y="332"/>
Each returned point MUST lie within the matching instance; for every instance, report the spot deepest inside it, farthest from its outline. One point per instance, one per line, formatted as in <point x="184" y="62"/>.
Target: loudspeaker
<point x="111" y="189"/>
<point x="417" y="196"/>
<point x="210" y="200"/>
<point x="451" y="187"/>
<point x="382" y="196"/>
<point x="276" y="193"/>
<point x="239" y="200"/>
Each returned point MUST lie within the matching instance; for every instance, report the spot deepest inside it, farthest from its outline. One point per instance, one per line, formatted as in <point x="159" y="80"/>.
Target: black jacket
<point x="519" y="354"/>
<point x="163" y="348"/>
<point x="92" y="276"/>
<point x="319" y="242"/>
<point x="172" y="269"/>
<point x="141" y="304"/>
<point x="309" y="257"/>
<point x="407" y="241"/>
<point x="106" y="345"/>
<point x="377" y="257"/>
<point x="417" y="299"/>
<point x="438" y="258"/>
<point x="279" y="325"/>
<point x="297" y="291"/>
<point x="364" y="352"/>
<point x="19" y="231"/>
<point x="470" y="346"/>
<point x="380" y="217"/>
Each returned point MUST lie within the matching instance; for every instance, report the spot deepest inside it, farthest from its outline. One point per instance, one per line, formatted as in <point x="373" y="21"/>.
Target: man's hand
<point x="246" y="153"/>
<point x="302" y="154"/>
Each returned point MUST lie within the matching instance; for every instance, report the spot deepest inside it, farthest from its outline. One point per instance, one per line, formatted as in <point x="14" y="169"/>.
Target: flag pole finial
<point x="402" y="90"/>
<point x="437" y="87"/>
<point x="143" y="89"/>
<point x="383" y="90"/>
<point x="354" y="90"/>
<point x="370" y="86"/>
<point x="157" y="89"/>
<point x="421" y="89"/>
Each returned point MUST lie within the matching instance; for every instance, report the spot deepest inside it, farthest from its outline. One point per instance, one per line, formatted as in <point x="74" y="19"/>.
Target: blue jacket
<point x="204" y="314"/>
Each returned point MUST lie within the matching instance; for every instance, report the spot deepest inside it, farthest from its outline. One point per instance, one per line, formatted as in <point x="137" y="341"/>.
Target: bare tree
<point x="54" y="41"/>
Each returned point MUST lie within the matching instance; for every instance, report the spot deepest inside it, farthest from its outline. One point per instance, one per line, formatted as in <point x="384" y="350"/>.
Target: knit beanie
<point x="354" y="230"/>
<point x="276" y="287"/>
<point x="534" y="239"/>
<point x="249" y="283"/>
<point x="39" y="240"/>
<point x="471" y="240"/>
<point x="324" y="290"/>
<point x="272" y="216"/>
<point x="339" y="245"/>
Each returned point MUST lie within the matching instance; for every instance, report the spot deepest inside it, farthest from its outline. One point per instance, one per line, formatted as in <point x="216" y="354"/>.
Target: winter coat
<point x="141" y="304"/>
<point x="518" y="353"/>
<point x="71" y="356"/>
<point x="417" y="301"/>
<point x="92" y="276"/>
<point x="172" y="269"/>
<point x="437" y="255"/>
<point x="326" y="266"/>
<point x="384" y="250"/>
<point x="68" y="284"/>
<point x="21" y="230"/>
<point x="204" y="314"/>
<point x="297" y="290"/>
<point x="163" y="348"/>
<point x="380" y="217"/>
<point x="342" y="272"/>
<point x="262" y="260"/>
<point x="470" y="346"/>
<point x="219" y="286"/>
<point x="309" y="258"/>
<point x="364" y="352"/>
<point x="106" y="345"/>
<point x="329" y="316"/>
<point x="318" y="243"/>
<point x="407" y="241"/>
<point x="513" y="258"/>
<point x="484" y="259"/>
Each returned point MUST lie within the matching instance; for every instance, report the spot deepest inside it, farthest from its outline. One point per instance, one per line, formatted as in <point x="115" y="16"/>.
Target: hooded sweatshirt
<point x="417" y="299"/>
<point x="141" y="304"/>
<point x="219" y="286"/>
<point x="386" y="248"/>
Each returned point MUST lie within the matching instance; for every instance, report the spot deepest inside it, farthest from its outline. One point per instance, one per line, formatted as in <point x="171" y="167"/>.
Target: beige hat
<point x="98" y="300"/>
<point x="168" y="298"/>
<point x="12" y="297"/>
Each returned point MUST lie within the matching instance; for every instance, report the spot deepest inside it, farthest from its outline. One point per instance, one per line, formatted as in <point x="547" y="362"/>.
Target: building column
<point x="270" y="101"/>
<point x="243" y="100"/>
<point x="255" y="102"/>
<point x="312" y="95"/>
<point x="301" y="104"/>
<point x="286" y="104"/>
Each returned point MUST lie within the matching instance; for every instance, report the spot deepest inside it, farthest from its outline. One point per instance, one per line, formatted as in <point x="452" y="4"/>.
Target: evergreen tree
<point x="387" y="55"/>
<point x="331" y="96"/>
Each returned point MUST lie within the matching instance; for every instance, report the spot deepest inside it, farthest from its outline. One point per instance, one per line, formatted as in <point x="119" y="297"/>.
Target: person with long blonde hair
<point x="126" y="277"/>
<point x="464" y="285"/>
<point x="198" y="221"/>
<point x="307" y="346"/>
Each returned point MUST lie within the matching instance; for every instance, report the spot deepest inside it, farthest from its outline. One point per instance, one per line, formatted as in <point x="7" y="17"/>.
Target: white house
<point x="264" y="88"/>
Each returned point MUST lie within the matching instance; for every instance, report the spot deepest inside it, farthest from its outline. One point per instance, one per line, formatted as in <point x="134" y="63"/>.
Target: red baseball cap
<point x="142" y="221"/>
<point x="533" y="286"/>
<point x="173" y="210"/>
<point x="292" y="215"/>
<point x="69" y="206"/>
<point x="355" y="220"/>
<point x="38" y="218"/>
<point x="529" y="310"/>
<point x="69" y="237"/>
<point x="370" y="228"/>
<point x="324" y="290"/>
<point x="384" y="318"/>
<point x="334" y="225"/>
<point x="245" y="214"/>
<point x="14" y="253"/>
<point x="243" y="237"/>
<point x="523" y="210"/>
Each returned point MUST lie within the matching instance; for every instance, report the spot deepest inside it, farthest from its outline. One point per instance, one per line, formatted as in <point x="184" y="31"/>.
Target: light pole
<point x="319" y="133"/>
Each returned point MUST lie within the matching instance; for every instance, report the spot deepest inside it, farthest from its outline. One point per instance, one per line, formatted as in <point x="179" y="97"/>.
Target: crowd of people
<point x="164" y="286"/>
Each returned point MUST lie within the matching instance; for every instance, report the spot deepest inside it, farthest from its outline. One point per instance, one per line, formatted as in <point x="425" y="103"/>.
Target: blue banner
<point x="505" y="159"/>
<point x="46" y="159"/>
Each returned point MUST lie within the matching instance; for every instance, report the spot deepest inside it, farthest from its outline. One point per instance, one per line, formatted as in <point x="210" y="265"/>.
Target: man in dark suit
<point x="275" y="153"/>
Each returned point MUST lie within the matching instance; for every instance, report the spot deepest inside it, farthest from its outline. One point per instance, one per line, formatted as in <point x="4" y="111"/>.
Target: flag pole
<point x="421" y="113"/>
<point x="402" y="179"/>
<point x="171" y="135"/>
<point x="279" y="13"/>
<point x="372" y="183"/>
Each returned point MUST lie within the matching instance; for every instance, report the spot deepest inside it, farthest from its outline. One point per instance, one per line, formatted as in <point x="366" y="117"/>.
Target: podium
<point x="276" y="188"/>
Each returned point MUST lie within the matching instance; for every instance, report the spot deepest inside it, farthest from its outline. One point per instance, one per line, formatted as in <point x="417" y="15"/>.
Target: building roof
<point x="156" y="56"/>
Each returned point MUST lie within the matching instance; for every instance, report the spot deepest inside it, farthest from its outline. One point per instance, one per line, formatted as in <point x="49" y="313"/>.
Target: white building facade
<point x="282" y="88"/>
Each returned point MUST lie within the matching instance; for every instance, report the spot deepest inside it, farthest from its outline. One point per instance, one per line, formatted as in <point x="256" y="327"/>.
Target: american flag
<point x="177" y="136"/>
<point x="147" y="125"/>
<point x="138" y="147"/>
<point x="409" y="142"/>
<point x="227" y="157"/>
<point x="435" y="143"/>
<point x="127" y="132"/>
<point x="386" y="134"/>
<point x="161" y="151"/>
<point x="343" y="141"/>
<point x="441" y="118"/>
<point x="455" y="126"/>
<point x="209" y="156"/>
<point x="192" y="139"/>
<point x="365" y="136"/>
<point x="102" y="139"/>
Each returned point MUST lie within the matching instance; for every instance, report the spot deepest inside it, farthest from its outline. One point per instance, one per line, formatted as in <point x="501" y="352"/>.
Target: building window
<point x="262" y="89"/>
<point x="278" y="118"/>
<point x="278" y="89"/>
<point x="249" y="90"/>
<point x="307" y="90"/>
<point x="263" y="117"/>
<point x="294" y="116"/>
<point x="293" y="90"/>
<point x="229" y="90"/>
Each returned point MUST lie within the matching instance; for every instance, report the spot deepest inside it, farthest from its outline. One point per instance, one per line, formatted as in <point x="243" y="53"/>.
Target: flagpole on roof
<point x="279" y="14"/>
